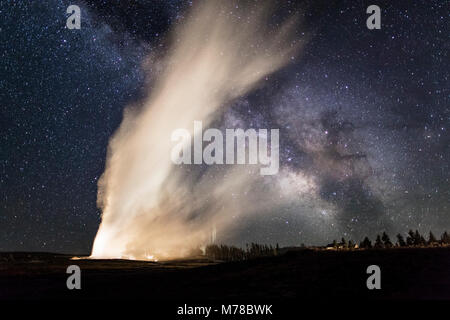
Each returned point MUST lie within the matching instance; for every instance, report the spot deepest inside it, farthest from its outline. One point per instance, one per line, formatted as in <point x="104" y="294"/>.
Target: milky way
<point x="363" y="116"/>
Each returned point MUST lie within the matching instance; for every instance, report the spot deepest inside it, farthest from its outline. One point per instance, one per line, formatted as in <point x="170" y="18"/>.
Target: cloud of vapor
<point x="152" y="208"/>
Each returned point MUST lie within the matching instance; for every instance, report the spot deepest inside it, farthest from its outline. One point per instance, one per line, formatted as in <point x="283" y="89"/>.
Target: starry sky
<point x="364" y="113"/>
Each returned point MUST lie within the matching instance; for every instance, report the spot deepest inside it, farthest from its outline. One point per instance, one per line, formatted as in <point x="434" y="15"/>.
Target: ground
<point x="406" y="273"/>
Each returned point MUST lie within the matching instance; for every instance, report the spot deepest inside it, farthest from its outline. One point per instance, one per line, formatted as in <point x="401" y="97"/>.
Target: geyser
<point x="148" y="208"/>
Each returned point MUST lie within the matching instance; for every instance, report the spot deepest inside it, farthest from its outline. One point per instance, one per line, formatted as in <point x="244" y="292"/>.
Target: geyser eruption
<point x="149" y="209"/>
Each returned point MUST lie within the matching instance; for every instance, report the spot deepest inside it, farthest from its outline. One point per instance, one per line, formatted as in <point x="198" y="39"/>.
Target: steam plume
<point x="148" y="211"/>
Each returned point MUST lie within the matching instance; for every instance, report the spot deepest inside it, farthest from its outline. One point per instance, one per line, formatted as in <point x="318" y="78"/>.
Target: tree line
<point x="232" y="253"/>
<point x="413" y="239"/>
<point x="383" y="241"/>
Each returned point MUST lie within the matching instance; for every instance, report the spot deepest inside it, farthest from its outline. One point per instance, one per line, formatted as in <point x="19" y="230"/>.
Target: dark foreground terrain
<point x="411" y="273"/>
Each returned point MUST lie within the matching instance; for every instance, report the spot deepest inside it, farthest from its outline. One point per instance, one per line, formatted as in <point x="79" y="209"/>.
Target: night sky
<point x="366" y="113"/>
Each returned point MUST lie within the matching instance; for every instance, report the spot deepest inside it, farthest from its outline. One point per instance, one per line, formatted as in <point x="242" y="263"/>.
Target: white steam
<point x="149" y="207"/>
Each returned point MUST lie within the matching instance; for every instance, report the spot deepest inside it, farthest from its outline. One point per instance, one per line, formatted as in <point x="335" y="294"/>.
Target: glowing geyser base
<point x="150" y="209"/>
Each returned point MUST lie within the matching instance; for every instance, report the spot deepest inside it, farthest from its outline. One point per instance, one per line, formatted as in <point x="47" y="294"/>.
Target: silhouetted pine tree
<point x="417" y="238"/>
<point x="431" y="239"/>
<point x="401" y="242"/>
<point x="386" y="240"/>
<point x="366" y="243"/>
<point x="410" y="238"/>
<point x="378" y="242"/>
<point x="445" y="238"/>
<point x="343" y="243"/>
